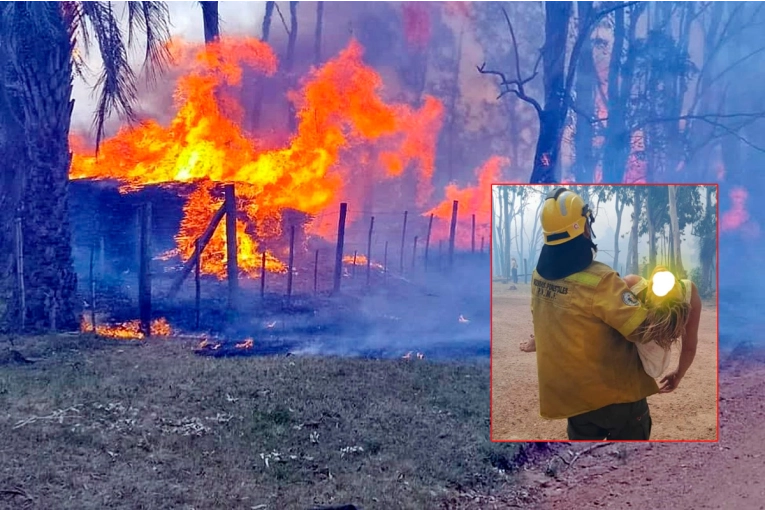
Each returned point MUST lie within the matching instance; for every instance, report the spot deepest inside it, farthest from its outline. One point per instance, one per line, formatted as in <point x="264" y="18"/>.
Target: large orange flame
<point x="472" y="200"/>
<point x="339" y="110"/>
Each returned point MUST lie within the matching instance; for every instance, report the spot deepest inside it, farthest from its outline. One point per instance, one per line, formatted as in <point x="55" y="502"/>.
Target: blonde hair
<point x="665" y="323"/>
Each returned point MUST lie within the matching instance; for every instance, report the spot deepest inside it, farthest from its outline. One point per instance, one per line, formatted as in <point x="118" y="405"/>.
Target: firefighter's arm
<point x="691" y="336"/>
<point x="617" y="306"/>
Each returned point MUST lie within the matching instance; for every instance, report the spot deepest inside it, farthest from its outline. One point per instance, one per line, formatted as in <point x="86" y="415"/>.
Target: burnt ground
<point x="98" y="423"/>
<point x="442" y="314"/>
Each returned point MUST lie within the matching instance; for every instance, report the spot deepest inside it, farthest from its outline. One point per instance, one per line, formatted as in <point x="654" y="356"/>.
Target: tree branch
<point x="506" y="86"/>
<point x="518" y="82"/>
<point x="584" y="33"/>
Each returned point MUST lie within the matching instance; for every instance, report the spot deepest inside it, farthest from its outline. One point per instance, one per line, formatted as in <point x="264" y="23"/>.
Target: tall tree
<point x="37" y="65"/>
<point x="210" y="19"/>
<point x="706" y="231"/>
<point x="558" y="77"/>
<point x="265" y="32"/>
<point x="289" y="63"/>
<point x="317" y="33"/>
<point x="586" y="79"/>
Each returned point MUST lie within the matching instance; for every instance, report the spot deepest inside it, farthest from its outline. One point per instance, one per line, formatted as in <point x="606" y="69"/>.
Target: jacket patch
<point x="630" y="299"/>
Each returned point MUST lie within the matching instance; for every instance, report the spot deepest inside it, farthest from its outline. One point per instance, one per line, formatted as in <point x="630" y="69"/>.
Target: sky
<point x="605" y="228"/>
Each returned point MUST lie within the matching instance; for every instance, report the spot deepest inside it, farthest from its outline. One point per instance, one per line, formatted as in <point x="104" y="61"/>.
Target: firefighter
<point x="587" y="323"/>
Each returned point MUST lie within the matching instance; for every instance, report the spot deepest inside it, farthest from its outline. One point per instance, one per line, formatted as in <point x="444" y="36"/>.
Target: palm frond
<point x="158" y="55"/>
<point x="116" y="84"/>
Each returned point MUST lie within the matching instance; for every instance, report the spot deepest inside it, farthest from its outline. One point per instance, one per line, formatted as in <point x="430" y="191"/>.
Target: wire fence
<point x="369" y="249"/>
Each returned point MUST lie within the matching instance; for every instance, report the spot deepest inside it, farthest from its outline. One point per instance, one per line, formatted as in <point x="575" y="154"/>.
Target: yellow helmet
<point x="564" y="217"/>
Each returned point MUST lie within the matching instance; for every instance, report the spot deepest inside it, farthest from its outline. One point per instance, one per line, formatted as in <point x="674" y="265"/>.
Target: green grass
<point x="151" y="425"/>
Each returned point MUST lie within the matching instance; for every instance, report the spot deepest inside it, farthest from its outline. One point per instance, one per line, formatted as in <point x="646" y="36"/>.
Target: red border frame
<point x="717" y="304"/>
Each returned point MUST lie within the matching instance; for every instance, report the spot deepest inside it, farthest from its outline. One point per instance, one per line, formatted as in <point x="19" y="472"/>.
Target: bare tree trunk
<point x="618" y="142"/>
<point x="619" y="211"/>
<point x="637" y="211"/>
<point x="211" y="21"/>
<point x="289" y="63"/>
<point x="257" y="108"/>
<point x="586" y="80"/>
<point x="651" y="238"/>
<point x="317" y="35"/>
<point x="553" y="115"/>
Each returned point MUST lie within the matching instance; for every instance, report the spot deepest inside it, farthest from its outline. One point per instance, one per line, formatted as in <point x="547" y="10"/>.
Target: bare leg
<point x="529" y="345"/>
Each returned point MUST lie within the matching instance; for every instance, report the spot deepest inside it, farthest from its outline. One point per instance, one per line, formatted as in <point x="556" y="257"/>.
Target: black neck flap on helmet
<point x="560" y="261"/>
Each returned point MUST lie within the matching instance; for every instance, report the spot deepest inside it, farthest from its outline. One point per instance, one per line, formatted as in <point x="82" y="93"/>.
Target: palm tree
<point x="211" y="20"/>
<point x="39" y="57"/>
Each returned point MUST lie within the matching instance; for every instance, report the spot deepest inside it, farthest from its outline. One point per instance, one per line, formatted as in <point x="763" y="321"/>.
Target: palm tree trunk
<point x="210" y="19"/>
<point x="43" y="107"/>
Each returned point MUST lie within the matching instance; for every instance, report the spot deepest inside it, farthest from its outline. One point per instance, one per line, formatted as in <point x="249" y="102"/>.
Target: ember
<point x="247" y="344"/>
<point x="361" y="260"/>
<point x="338" y="108"/>
<point x="130" y="330"/>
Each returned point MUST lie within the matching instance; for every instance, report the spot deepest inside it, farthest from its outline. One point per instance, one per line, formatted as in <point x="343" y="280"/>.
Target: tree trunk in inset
<point x="675" y="225"/>
<point x="634" y="267"/>
<point x="619" y="211"/>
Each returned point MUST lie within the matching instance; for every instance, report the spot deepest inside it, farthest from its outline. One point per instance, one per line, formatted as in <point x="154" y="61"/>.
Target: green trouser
<point x="631" y="422"/>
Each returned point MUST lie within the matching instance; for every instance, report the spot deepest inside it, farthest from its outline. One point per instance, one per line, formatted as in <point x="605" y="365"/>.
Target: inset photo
<point x="604" y="313"/>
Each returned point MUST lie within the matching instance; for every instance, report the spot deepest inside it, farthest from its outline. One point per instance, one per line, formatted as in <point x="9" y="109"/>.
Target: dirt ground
<point x="688" y="413"/>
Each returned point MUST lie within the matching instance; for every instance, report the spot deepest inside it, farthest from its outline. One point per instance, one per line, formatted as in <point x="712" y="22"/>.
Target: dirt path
<point x="684" y="476"/>
<point x="688" y="413"/>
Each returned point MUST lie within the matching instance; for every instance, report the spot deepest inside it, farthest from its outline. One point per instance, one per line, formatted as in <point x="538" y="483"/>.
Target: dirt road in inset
<point x="688" y="413"/>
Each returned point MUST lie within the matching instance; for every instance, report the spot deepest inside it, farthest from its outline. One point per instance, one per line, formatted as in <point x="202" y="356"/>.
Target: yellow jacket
<point x="584" y="328"/>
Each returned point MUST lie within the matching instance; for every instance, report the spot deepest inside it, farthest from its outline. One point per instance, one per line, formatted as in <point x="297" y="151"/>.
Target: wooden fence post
<point x="369" y="247"/>
<point x="263" y="275"/>
<point x="414" y="252"/>
<point x="339" y="250"/>
<point x="20" y="274"/>
<point x="198" y="283"/>
<point x="93" y="287"/>
<point x="232" y="263"/>
<point x="385" y="263"/>
<point x="427" y="240"/>
<point x="472" y="235"/>
<point x="403" y="242"/>
<point x="316" y="272"/>
<point x="291" y="262"/>
<point x="452" y="232"/>
<point x="144" y="281"/>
